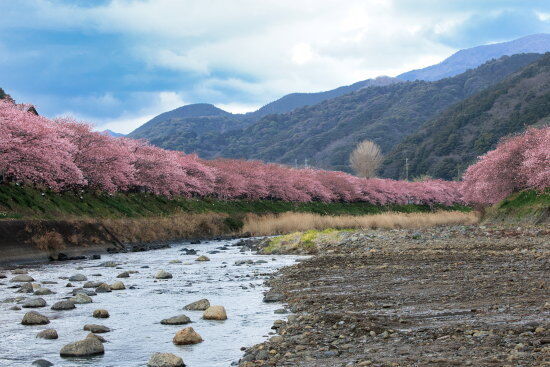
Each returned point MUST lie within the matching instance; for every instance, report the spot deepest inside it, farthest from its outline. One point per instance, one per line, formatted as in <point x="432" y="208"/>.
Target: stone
<point x="96" y="329"/>
<point x="174" y="262"/>
<point x="187" y="336"/>
<point x="91" y="284"/>
<point x="98" y="337"/>
<point x="15" y="308"/>
<point x="200" y="305"/>
<point x="103" y="288"/>
<point x="42" y="363"/>
<point x="43" y="291"/>
<point x="48" y="334"/>
<point x="26" y="288"/>
<point x="83" y="348"/>
<point x="81" y="298"/>
<point x="273" y="297"/>
<point x="176" y="320"/>
<point x="87" y="292"/>
<point x="34" y="303"/>
<point x="78" y="278"/>
<point x="165" y="360"/>
<point x="202" y="258"/>
<point x="22" y="278"/>
<point x="118" y="286"/>
<point x="109" y="264"/>
<point x="215" y="313"/>
<point x="124" y="274"/>
<point x="100" y="314"/>
<point x="19" y="271"/>
<point x="63" y="305"/>
<point x="162" y="274"/>
<point x="34" y="318"/>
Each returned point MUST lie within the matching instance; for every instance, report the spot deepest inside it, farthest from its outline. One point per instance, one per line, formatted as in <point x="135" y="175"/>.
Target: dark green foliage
<point x="445" y="146"/>
<point x="26" y="202"/>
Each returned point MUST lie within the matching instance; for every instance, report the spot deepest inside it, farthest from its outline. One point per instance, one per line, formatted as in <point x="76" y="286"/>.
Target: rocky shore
<point x="452" y="296"/>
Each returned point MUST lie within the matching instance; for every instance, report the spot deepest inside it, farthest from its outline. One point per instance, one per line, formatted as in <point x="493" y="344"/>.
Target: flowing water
<point x="135" y="314"/>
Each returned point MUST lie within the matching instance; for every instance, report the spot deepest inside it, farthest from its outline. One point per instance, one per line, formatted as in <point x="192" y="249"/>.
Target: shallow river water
<point x="135" y="314"/>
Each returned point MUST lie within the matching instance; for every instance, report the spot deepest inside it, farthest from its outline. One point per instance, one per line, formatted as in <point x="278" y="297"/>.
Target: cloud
<point x="113" y="61"/>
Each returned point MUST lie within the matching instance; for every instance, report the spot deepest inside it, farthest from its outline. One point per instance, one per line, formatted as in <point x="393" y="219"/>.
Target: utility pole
<point x="305" y="162"/>
<point x="407" y="168"/>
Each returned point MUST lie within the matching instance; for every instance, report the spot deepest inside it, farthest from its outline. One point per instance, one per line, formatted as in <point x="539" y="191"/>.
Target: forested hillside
<point x="326" y="133"/>
<point x="186" y="127"/>
<point x="446" y="145"/>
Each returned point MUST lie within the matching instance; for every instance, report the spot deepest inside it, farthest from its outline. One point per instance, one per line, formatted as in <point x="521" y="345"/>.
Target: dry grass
<point x="293" y="222"/>
<point x="49" y="241"/>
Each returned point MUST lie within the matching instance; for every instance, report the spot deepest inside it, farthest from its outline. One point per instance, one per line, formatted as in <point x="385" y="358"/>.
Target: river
<point x="135" y="314"/>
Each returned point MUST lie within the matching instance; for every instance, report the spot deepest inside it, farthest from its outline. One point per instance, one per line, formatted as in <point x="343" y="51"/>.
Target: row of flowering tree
<point x="65" y="155"/>
<point x="518" y="163"/>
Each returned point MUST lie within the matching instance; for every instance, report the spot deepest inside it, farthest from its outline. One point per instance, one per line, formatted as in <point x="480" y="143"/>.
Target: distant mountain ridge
<point x="473" y="57"/>
<point x="180" y="128"/>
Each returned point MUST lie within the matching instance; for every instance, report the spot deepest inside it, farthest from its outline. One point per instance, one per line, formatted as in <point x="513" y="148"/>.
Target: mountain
<point x="447" y="144"/>
<point x="112" y="133"/>
<point x="296" y="100"/>
<point x="473" y="57"/>
<point x="184" y="127"/>
<point x="326" y="133"/>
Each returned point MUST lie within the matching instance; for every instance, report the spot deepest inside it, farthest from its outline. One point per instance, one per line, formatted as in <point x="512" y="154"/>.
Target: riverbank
<point x="445" y="296"/>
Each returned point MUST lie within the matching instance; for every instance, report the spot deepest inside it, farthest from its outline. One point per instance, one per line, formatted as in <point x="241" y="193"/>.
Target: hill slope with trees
<point x="326" y="133"/>
<point x="449" y="143"/>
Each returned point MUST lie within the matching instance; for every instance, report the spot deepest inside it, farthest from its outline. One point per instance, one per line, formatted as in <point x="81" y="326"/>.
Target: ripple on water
<point x="135" y="314"/>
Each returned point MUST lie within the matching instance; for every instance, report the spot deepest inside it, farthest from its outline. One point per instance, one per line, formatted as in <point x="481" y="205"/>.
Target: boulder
<point x="109" y="264"/>
<point x="187" y="336"/>
<point x="165" y="360"/>
<point x="87" y="292"/>
<point x="42" y="363"/>
<point x="48" y="334"/>
<point x="78" y="278"/>
<point x="202" y="258"/>
<point x="162" y="274"/>
<point x="15" y="308"/>
<point x="43" y="291"/>
<point x="19" y="271"/>
<point x="34" y="303"/>
<point x="34" y="318"/>
<point x="118" y="286"/>
<point x="91" y="284"/>
<point x="176" y="320"/>
<point x="103" y="288"/>
<point x="81" y="298"/>
<point x="199" y="305"/>
<point x="174" y="261"/>
<point x="26" y="288"/>
<point x="22" y="278"/>
<point x="98" y="337"/>
<point x="63" y="305"/>
<point x="100" y="314"/>
<point x="215" y="313"/>
<point x="83" y="348"/>
<point x="273" y="297"/>
<point x="124" y="274"/>
<point x="96" y="329"/>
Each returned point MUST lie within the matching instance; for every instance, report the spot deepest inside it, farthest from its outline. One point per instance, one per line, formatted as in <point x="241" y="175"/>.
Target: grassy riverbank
<point x="526" y="207"/>
<point x="18" y="202"/>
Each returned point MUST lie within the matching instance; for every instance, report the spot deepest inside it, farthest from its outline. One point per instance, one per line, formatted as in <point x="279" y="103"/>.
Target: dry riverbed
<point x="452" y="296"/>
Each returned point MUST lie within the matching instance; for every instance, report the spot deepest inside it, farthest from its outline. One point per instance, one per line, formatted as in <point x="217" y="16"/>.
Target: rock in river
<point x="81" y="298"/>
<point x="118" y="286"/>
<point x="34" y="318"/>
<point x="100" y="314"/>
<point x="215" y="313"/>
<point x="273" y="297"/>
<point x="199" y="305"/>
<point x="103" y="288"/>
<point x="96" y="329"/>
<point x="176" y="320"/>
<point x="91" y="284"/>
<point x="83" y="348"/>
<point x="165" y="360"/>
<point x="124" y="274"/>
<point x="162" y="274"/>
<point x="187" y="336"/>
<point x="63" y="305"/>
<point x="98" y="337"/>
<point x="43" y="291"/>
<point x="48" y="334"/>
<point x="42" y="363"/>
<point x="78" y="278"/>
<point x="22" y="278"/>
<point x="34" y="303"/>
<point x="202" y="258"/>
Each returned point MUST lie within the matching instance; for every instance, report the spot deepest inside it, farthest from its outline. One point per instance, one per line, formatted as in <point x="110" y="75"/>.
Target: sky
<point x="118" y="63"/>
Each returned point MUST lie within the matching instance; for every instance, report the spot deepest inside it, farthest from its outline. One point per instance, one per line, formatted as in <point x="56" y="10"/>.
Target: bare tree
<point x="365" y="159"/>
